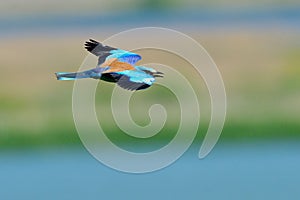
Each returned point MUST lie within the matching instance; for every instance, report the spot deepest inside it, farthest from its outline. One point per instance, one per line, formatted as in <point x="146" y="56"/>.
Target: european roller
<point x="117" y="66"/>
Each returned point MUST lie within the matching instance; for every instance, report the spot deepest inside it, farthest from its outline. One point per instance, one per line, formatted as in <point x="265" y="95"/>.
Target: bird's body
<point x="115" y="65"/>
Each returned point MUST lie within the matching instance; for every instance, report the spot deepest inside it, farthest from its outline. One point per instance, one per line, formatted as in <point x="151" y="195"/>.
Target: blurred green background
<point x="255" y="44"/>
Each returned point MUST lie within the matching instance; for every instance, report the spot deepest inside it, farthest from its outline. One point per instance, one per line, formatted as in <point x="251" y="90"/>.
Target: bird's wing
<point x="134" y="80"/>
<point x="109" y="54"/>
<point x="129" y="84"/>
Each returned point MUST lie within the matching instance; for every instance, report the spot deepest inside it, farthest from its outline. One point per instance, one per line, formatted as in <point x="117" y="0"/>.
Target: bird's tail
<point x="93" y="73"/>
<point x="68" y="76"/>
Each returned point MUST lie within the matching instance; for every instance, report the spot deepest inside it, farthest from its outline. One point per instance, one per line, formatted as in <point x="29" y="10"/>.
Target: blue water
<point x="231" y="171"/>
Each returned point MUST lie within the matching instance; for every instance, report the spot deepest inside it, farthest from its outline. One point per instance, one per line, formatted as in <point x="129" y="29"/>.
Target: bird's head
<point x="150" y="71"/>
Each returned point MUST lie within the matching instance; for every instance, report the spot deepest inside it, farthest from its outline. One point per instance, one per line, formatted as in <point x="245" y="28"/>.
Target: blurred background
<point x="256" y="46"/>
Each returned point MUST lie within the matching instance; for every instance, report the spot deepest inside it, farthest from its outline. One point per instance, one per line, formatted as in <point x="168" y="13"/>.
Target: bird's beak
<point x="158" y="74"/>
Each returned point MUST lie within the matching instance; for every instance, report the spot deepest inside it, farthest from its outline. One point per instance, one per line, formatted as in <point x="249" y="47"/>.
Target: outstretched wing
<point x="135" y="80"/>
<point x="108" y="54"/>
<point x="126" y="83"/>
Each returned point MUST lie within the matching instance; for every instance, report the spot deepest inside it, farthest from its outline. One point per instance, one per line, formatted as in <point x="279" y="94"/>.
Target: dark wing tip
<point x="142" y="87"/>
<point x="97" y="48"/>
<point x="92" y="40"/>
<point x="91" y="45"/>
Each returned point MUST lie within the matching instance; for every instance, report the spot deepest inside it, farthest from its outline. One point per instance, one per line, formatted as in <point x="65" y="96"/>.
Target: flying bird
<point x="117" y="66"/>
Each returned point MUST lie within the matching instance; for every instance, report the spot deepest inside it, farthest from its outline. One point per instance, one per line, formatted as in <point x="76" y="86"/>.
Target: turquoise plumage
<point x="115" y="65"/>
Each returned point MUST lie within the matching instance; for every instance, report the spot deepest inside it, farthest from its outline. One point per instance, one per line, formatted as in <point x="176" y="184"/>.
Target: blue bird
<point x="117" y="66"/>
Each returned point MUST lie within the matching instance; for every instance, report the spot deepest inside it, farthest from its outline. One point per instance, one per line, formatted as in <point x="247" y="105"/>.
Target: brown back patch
<point x="117" y="66"/>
